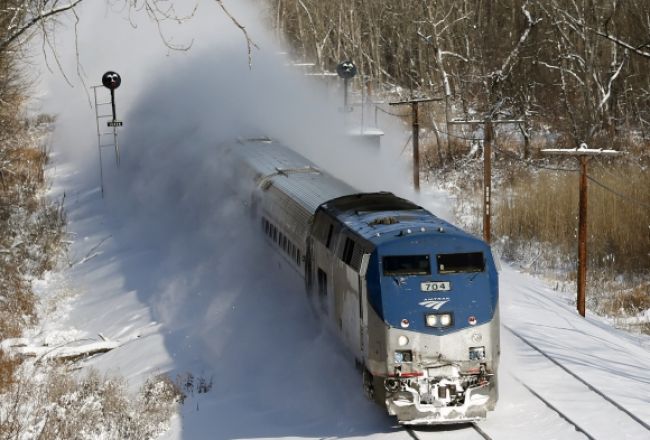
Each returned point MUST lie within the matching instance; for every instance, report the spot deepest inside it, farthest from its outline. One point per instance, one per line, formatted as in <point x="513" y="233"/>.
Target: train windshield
<point x="407" y="265"/>
<point x="461" y="263"/>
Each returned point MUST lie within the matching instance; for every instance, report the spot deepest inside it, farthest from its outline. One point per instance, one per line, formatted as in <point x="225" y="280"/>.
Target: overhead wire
<point x="617" y="193"/>
<point x="528" y="163"/>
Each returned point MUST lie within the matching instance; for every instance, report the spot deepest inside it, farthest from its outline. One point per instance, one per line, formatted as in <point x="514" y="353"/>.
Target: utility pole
<point x="583" y="154"/>
<point x="487" y="167"/>
<point x="416" y="135"/>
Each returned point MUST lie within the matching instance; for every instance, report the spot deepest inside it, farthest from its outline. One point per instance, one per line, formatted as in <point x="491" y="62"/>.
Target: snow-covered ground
<point x="167" y="266"/>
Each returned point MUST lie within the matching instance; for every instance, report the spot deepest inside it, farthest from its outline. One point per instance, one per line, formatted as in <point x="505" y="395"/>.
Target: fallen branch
<point x="61" y="353"/>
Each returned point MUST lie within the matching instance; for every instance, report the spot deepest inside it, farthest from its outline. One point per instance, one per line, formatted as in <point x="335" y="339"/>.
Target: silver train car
<point x="414" y="298"/>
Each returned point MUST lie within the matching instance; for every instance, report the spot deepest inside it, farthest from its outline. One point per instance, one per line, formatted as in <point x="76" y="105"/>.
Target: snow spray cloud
<point x="207" y="279"/>
<point x="177" y="109"/>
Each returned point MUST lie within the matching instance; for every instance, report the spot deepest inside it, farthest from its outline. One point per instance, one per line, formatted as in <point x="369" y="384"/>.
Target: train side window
<point x="330" y="232"/>
<point x="348" y="250"/>
<point x="275" y="233"/>
<point x="322" y="288"/>
<point x="298" y="256"/>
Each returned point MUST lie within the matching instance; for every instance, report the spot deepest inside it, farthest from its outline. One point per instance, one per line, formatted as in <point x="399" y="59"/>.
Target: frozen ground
<point x="167" y="265"/>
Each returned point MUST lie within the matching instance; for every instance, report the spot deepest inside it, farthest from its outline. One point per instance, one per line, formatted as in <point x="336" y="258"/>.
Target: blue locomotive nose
<point x="443" y="284"/>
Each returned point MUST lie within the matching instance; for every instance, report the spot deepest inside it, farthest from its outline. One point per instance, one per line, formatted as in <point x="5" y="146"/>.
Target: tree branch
<point x="42" y="16"/>
<point x="612" y="38"/>
<point x="249" y="42"/>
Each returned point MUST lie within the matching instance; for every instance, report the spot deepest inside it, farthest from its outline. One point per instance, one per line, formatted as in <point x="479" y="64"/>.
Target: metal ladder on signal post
<point x="102" y="135"/>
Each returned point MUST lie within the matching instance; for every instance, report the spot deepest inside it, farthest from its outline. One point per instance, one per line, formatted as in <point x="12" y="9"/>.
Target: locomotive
<point x="413" y="298"/>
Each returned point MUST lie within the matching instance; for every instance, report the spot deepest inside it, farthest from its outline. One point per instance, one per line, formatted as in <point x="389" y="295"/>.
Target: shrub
<point x="90" y="407"/>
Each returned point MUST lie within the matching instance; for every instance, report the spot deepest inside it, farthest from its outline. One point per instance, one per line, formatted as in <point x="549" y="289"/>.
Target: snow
<point x="168" y="266"/>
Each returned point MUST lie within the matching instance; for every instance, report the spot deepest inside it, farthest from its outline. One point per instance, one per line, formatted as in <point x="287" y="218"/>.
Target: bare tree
<point x="20" y="19"/>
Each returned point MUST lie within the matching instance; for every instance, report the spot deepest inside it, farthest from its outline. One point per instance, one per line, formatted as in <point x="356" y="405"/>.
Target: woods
<point x="575" y="68"/>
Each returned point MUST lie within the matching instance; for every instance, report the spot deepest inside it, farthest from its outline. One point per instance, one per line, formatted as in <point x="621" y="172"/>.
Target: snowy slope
<point x="168" y="265"/>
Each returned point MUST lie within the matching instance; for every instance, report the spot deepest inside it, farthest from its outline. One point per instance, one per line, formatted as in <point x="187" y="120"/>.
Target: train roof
<point x="377" y="217"/>
<point x="277" y="165"/>
<point x="382" y="217"/>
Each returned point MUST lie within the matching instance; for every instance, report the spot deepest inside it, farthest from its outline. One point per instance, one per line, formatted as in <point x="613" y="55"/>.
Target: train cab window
<point x="461" y="263"/>
<point x="348" y="251"/>
<point x="407" y="265"/>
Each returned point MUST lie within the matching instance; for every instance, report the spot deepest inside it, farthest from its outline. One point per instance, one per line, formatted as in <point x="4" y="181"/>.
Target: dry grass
<point x="543" y="208"/>
<point x="8" y="367"/>
<point x="628" y="302"/>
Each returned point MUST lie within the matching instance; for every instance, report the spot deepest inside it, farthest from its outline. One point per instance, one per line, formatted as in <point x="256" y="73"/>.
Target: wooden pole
<point x="416" y="135"/>
<point x="487" y="182"/>
<point x="487" y="167"/>
<point x="416" y="147"/>
<point x="582" y="238"/>
<point x="583" y="154"/>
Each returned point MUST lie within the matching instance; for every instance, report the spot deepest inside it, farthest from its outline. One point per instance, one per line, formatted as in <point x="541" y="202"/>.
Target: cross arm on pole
<point x="416" y="134"/>
<point x="415" y="101"/>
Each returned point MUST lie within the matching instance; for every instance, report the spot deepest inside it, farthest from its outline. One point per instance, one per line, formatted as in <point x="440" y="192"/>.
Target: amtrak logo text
<point x="434" y="304"/>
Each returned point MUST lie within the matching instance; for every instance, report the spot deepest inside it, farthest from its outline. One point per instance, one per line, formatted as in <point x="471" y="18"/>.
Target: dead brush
<point x="88" y="407"/>
<point x="8" y="366"/>
<point x="627" y="302"/>
<point x="544" y="207"/>
<point x="18" y="310"/>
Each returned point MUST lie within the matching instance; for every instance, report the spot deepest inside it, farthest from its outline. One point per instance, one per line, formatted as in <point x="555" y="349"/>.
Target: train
<point x="413" y="298"/>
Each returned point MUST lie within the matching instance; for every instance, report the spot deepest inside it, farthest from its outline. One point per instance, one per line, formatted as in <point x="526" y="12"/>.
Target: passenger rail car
<point x="414" y="298"/>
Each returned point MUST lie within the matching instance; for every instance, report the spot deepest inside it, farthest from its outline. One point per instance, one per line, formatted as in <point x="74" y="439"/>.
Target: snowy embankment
<point x="169" y="267"/>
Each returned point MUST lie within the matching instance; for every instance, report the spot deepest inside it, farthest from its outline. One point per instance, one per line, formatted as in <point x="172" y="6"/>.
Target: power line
<point x="397" y="115"/>
<point x="623" y="196"/>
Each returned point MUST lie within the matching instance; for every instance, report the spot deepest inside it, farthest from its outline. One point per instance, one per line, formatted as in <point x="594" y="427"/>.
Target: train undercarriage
<point x="438" y="395"/>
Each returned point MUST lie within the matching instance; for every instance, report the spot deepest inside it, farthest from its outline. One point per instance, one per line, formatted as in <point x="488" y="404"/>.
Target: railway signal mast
<point x="110" y="80"/>
<point x="346" y="70"/>
<point x="583" y="153"/>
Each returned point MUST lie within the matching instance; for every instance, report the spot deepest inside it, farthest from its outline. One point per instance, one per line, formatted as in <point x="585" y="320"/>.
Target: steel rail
<point x="580" y="379"/>
<point x="559" y="413"/>
<point x="474" y="426"/>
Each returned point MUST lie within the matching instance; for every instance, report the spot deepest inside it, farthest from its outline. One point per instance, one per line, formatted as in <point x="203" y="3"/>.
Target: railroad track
<point x="469" y="431"/>
<point x="640" y="425"/>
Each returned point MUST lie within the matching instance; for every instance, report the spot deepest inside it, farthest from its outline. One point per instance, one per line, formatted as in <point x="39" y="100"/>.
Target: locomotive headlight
<point x="402" y="340"/>
<point x="439" y="320"/>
